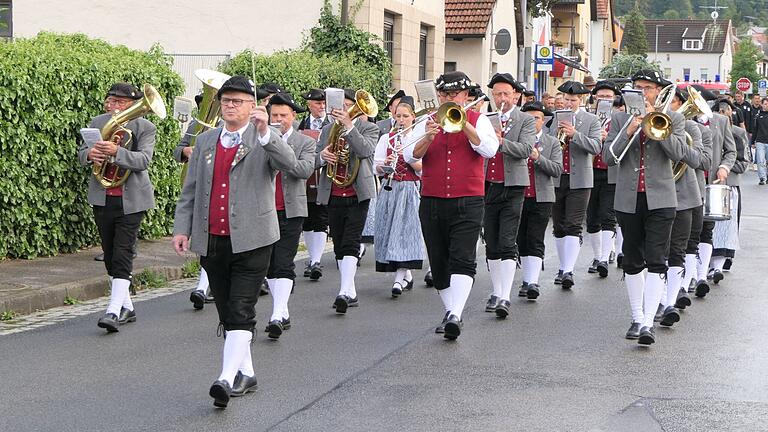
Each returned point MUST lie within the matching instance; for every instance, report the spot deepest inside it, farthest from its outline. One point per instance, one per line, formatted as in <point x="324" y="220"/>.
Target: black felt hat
<point x="536" y="106"/>
<point x="505" y="78"/>
<point x="529" y="93"/>
<point x="267" y="89"/>
<point x="350" y="94"/>
<point x="681" y="94"/>
<point x="283" y="98"/>
<point x="125" y="90"/>
<point x="606" y="85"/>
<point x="400" y="93"/>
<point x="408" y="100"/>
<point x="650" y="75"/>
<point x="237" y="83"/>
<point x="573" y="87"/>
<point x="706" y="94"/>
<point x="314" y="94"/>
<point x="453" y="81"/>
<point x="476" y="93"/>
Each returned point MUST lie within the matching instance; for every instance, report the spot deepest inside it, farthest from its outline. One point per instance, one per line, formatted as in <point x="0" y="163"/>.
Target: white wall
<point x="595" y="48"/>
<point x="694" y="61"/>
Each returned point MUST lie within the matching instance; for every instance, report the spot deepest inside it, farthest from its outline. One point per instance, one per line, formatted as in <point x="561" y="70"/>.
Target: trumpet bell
<point x="451" y="117"/>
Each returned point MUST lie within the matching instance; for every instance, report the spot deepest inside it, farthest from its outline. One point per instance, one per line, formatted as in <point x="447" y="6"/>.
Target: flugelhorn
<point x="365" y="104"/>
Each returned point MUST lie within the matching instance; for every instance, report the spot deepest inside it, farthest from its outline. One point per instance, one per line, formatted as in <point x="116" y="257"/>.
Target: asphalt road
<point x="559" y="364"/>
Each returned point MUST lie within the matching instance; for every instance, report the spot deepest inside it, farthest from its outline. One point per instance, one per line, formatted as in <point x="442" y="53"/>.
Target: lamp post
<point x="656" y="55"/>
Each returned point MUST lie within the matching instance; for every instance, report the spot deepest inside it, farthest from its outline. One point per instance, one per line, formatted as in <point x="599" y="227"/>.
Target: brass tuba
<point x="344" y="171"/>
<point x="209" y="111"/>
<point x="116" y="132"/>
<point x="694" y="106"/>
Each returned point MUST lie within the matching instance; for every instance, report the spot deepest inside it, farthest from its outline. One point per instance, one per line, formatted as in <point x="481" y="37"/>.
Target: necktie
<point x="234" y="138"/>
<point x="316" y="123"/>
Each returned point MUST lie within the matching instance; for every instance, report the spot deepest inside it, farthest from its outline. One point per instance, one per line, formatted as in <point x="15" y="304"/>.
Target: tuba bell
<point x="116" y="132"/>
<point x="344" y="171"/>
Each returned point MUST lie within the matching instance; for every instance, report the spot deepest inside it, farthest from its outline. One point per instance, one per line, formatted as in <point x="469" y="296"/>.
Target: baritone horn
<point x="343" y="172"/>
<point x="108" y="174"/>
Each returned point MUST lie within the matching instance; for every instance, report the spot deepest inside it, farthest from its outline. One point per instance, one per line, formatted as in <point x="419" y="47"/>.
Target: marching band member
<point x="387" y="125"/>
<point x="528" y="96"/>
<point x="689" y="199"/>
<point x="601" y="219"/>
<point x="291" y="205"/>
<point x="645" y="202"/>
<point x="582" y="141"/>
<point x="347" y="206"/>
<point x="505" y="178"/>
<point x="398" y="232"/>
<point x="451" y="209"/>
<point x="476" y="93"/>
<point x="544" y="165"/>
<point x="316" y="224"/>
<point x="723" y="157"/>
<point x="266" y="91"/>
<point x="118" y="211"/>
<point x="226" y="214"/>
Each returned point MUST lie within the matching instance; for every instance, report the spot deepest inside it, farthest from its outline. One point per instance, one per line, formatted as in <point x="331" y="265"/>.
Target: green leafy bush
<point x="51" y="86"/>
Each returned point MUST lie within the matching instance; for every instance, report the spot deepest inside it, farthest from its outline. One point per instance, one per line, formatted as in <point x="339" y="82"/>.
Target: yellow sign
<point x="544" y="52"/>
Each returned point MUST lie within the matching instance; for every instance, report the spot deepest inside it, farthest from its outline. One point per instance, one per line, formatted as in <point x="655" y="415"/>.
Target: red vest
<point x="279" y="198"/>
<point x="641" y="178"/>
<point x="598" y="162"/>
<point x="530" y="190"/>
<point x="495" y="171"/>
<point x="567" y="156"/>
<point x="403" y="171"/>
<point x="451" y="168"/>
<point x="110" y="172"/>
<point x="218" y="213"/>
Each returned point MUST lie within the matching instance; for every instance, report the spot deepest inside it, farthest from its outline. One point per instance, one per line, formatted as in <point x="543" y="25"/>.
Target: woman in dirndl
<point x="399" y="244"/>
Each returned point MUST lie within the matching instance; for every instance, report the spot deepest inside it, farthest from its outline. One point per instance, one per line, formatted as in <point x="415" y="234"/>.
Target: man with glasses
<point x="118" y="211"/>
<point x="645" y="202"/>
<point x="226" y="214"/>
<point x="452" y="204"/>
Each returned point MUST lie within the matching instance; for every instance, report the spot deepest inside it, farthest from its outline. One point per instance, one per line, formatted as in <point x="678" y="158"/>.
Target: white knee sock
<point x="606" y="240"/>
<point x="408" y="276"/>
<point x="508" y="268"/>
<point x="595" y="240"/>
<point x="348" y="268"/>
<point x="319" y="240"/>
<point x="400" y="277"/>
<point x="654" y="287"/>
<point x="690" y="271"/>
<point x="525" y="268"/>
<point x="494" y="267"/>
<point x="120" y="291"/>
<point x="236" y="344"/>
<point x="309" y="242"/>
<point x="461" y="286"/>
<point x="281" y="292"/>
<point x="362" y="249"/>
<point x="619" y="240"/>
<point x="534" y="263"/>
<point x="635" y="288"/>
<point x="560" y="246"/>
<point x="717" y="262"/>
<point x="445" y="296"/>
<point x="572" y="247"/>
<point x="702" y="267"/>
<point x="674" y="276"/>
<point x="246" y="365"/>
<point x="202" y="283"/>
<point x="127" y="303"/>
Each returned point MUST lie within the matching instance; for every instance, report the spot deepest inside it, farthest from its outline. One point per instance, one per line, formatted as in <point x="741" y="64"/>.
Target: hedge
<point x="50" y="87"/>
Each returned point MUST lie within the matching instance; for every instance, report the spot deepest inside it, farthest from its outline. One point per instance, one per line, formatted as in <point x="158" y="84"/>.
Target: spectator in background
<point x="559" y="101"/>
<point x="746" y="109"/>
<point x="760" y="140"/>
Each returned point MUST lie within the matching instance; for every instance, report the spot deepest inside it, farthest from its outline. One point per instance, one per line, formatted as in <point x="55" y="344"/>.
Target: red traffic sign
<point x="743" y="84"/>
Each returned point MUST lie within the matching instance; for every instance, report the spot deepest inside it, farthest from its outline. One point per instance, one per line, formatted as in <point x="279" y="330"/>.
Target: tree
<point x="624" y="65"/>
<point x="635" y="42"/>
<point x="744" y="62"/>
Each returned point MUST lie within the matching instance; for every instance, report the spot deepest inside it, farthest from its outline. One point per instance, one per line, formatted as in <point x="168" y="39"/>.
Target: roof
<point x="603" y="9"/>
<point x="671" y="33"/>
<point x="467" y="18"/>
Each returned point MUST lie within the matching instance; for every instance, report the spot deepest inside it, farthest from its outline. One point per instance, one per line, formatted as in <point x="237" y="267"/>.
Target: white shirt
<point x="507" y="114"/>
<point x="227" y="142"/>
<point x="489" y="143"/>
<point x="287" y="134"/>
<point x="312" y="121"/>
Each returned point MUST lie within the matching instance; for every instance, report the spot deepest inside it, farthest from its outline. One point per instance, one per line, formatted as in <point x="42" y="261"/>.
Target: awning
<point x="570" y="63"/>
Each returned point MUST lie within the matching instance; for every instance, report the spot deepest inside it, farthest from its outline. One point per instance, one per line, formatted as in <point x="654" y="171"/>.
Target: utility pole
<point x="715" y="10"/>
<point x="345" y="11"/>
<point x="656" y="56"/>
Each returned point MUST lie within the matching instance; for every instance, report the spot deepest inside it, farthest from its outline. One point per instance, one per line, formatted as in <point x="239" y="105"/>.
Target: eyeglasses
<point x="452" y="94"/>
<point x="115" y="101"/>
<point x="234" y="102"/>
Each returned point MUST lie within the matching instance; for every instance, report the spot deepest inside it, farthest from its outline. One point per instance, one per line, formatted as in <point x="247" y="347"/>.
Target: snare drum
<point x="717" y="202"/>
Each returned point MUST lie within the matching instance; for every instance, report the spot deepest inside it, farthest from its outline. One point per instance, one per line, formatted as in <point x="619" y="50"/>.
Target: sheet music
<point x="634" y="102"/>
<point x="90" y="136"/>
<point x="566" y="116"/>
<point x="604" y="109"/>
<point x="494" y="118"/>
<point x="427" y="94"/>
<point x="334" y="99"/>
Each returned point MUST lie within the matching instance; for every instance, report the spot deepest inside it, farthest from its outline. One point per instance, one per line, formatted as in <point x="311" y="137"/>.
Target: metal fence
<point x="186" y="64"/>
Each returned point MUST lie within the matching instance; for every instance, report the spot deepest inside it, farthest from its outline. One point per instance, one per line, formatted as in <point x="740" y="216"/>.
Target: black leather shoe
<point x="647" y="336"/>
<point x="559" y="277"/>
<point x="397" y="289"/>
<point x="275" y="329"/>
<point x="619" y="260"/>
<point x="353" y="302"/>
<point x="523" y="290"/>
<point x="452" y="327"/>
<point x="702" y="288"/>
<point x="220" y="392"/>
<point x="491" y="304"/>
<point x="593" y="267"/>
<point x="99" y="257"/>
<point x="727" y="264"/>
<point x="717" y="276"/>
<point x="308" y="270"/>
<point x="109" y="322"/>
<point x="428" y="279"/>
<point x="671" y="316"/>
<point x="612" y="257"/>
<point x="316" y="272"/>
<point x="264" y="288"/>
<point x="567" y="281"/>
<point x="126" y="316"/>
<point x="683" y="301"/>
<point x="198" y="299"/>
<point x="286" y="323"/>
<point x="659" y="313"/>
<point x="441" y="328"/>
<point x="602" y="269"/>
<point x="408" y="285"/>
<point x="341" y="304"/>
<point x="633" y="332"/>
<point x="502" y="310"/>
<point x="243" y="385"/>
<point x="533" y="291"/>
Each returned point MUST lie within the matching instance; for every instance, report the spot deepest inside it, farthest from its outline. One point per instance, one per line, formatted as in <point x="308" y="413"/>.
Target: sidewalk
<point x="42" y="283"/>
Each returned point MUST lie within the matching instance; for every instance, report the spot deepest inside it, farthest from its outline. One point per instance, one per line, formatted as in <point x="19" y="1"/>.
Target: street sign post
<point x="544" y="58"/>
<point x="762" y="87"/>
<point x="744" y="84"/>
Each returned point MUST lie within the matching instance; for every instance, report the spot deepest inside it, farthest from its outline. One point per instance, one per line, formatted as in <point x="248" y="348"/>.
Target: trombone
<point x="656" y="125"/>
<point x="450" y="116"/>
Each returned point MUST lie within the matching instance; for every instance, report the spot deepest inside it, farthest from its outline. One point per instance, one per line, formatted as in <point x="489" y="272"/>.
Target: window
<point x="423" y="53"/>
<point x="704" y="74"/>
<point x="6" y="19"/>
<point x="667" y="73"/>
<point x="389" y="35"/>
<point x="691" y="44"/>
<point x="449" y="67"/>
